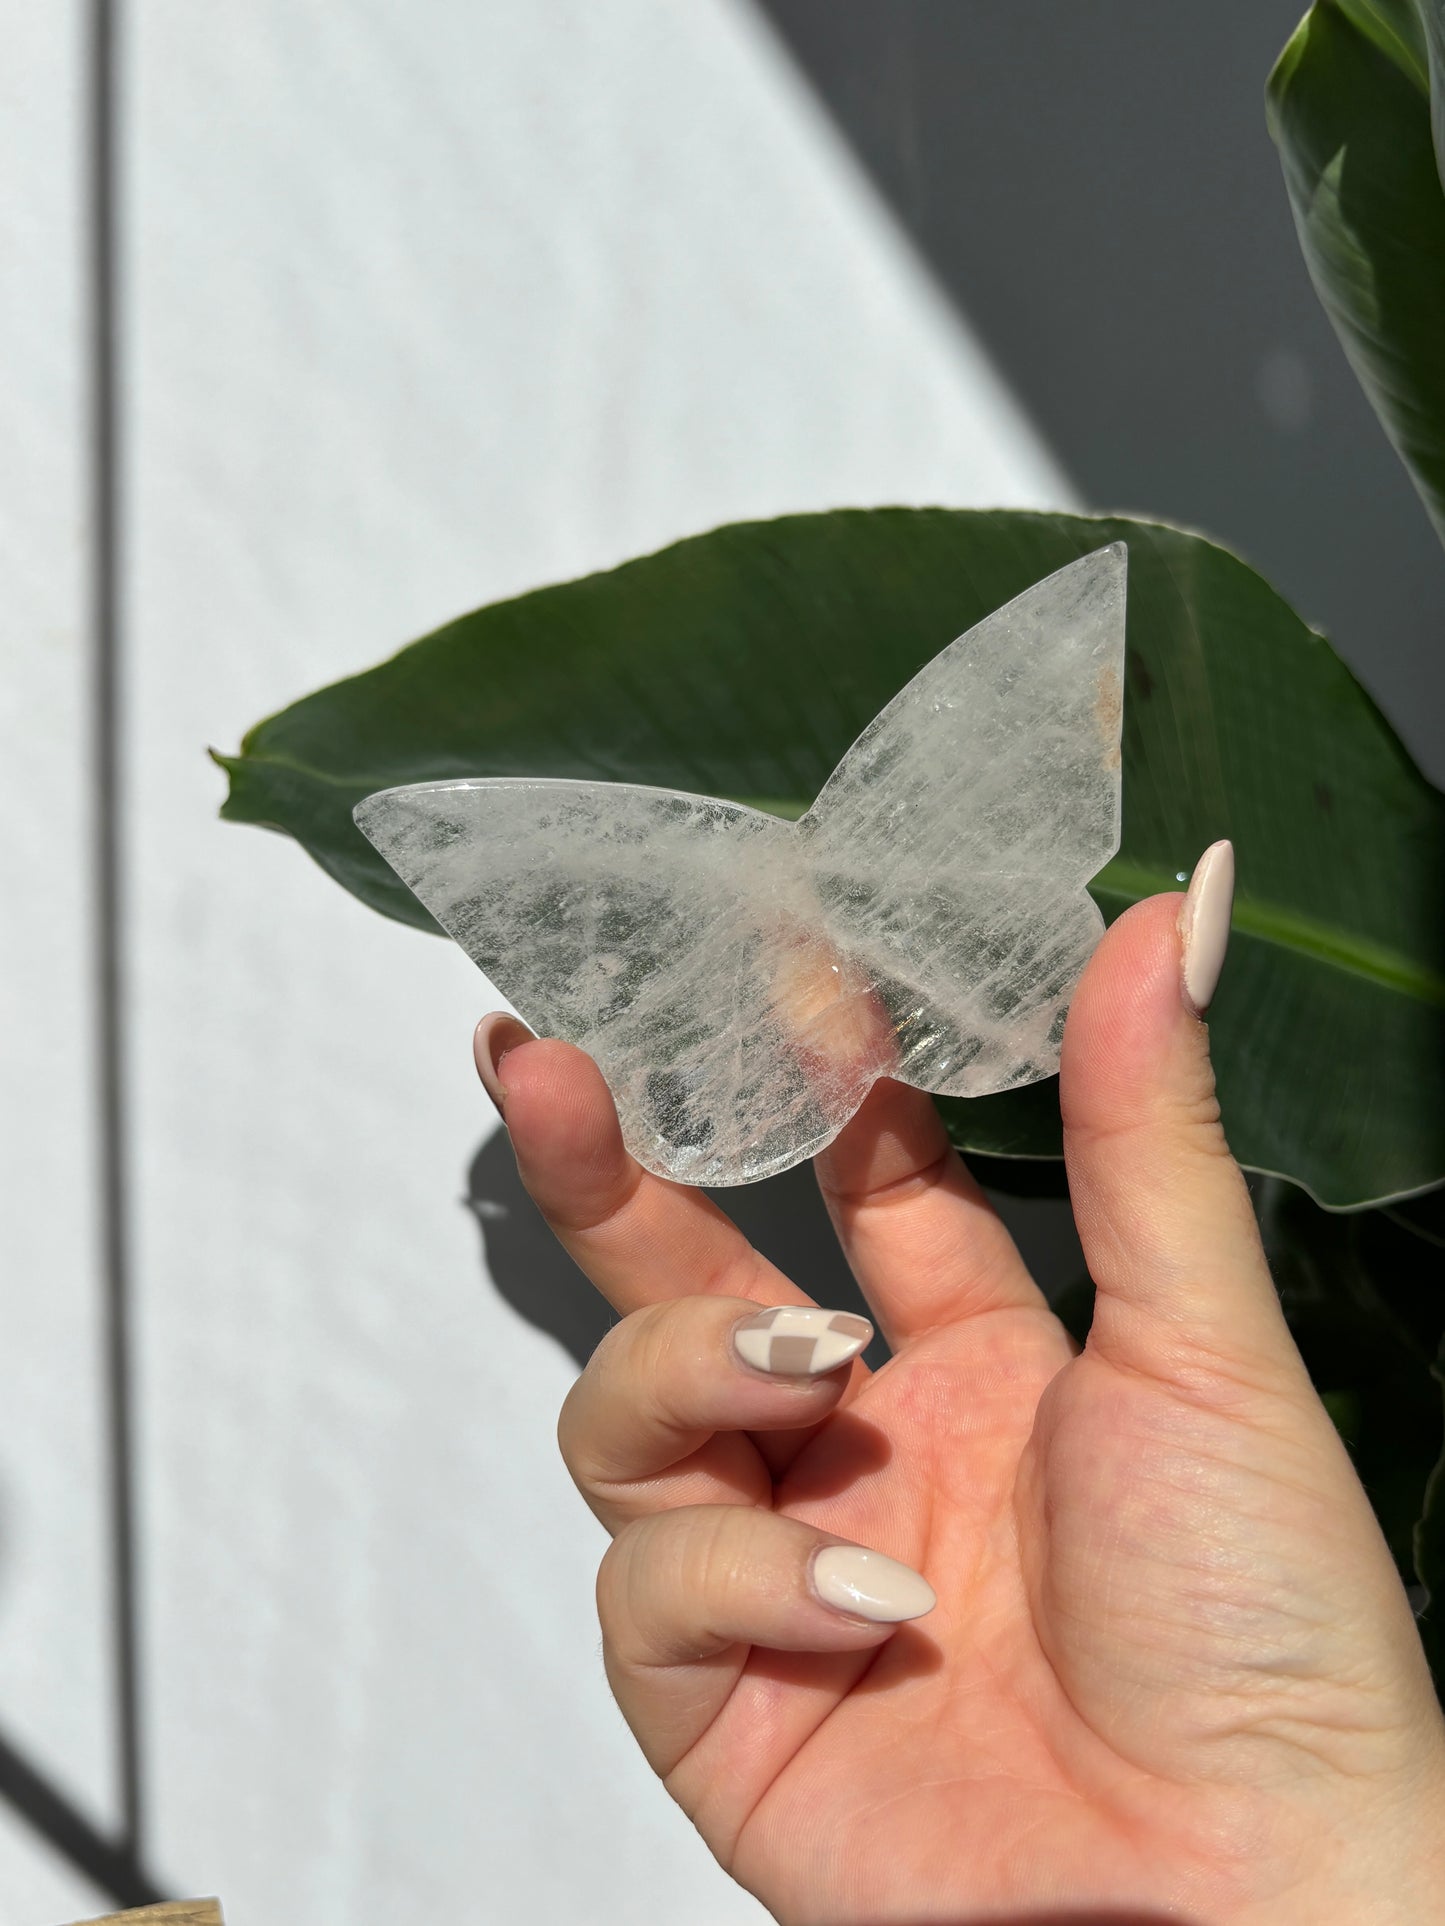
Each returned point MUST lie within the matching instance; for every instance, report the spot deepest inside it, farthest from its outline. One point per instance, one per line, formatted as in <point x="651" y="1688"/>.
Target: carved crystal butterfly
<point x="741" y="980"/>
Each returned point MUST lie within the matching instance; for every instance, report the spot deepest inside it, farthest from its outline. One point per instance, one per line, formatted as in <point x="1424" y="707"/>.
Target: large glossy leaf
<point x="743" y="663"/>
<point x="1394" y="28"/>
<point x="1365" y="1299"/>
<point x="1350" y="108"/>
<point x="1430" y="1556"/>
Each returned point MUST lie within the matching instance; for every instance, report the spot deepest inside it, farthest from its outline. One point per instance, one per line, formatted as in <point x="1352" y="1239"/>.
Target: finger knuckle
<point x="622" y="1372"/>
<point x="644" y="1592"/>
<point x="571" y="1430"/>
<point x="667" y="1570"/>
<point x="715" y="1555"/>
<point x="1194" y="1113"/>
<point x="654" y="1344"/>
<point x="616" y="1577"/>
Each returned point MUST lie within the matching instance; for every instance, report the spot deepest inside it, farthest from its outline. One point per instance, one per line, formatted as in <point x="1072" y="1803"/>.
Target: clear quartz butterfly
<point x="741" y="980"/>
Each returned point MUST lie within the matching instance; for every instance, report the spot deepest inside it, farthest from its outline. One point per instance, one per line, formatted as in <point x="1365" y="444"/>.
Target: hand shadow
<point x="782" y="1216"/>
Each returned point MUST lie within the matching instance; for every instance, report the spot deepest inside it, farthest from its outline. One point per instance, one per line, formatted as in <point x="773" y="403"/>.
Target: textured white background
<point x="422" y="303"/>
<point x="54" y="1696"/>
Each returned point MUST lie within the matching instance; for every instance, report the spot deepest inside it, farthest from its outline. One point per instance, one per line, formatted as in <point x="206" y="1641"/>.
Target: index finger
<point x="639" y="1238"/>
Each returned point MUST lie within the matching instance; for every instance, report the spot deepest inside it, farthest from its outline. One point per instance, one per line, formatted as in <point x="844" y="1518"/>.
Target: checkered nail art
<point x="800" y="1341"/>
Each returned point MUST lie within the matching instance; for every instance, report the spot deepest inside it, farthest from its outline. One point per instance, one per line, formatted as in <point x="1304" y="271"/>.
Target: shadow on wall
<point x="1095" y="189"/>
<point x="783" y="1217"/>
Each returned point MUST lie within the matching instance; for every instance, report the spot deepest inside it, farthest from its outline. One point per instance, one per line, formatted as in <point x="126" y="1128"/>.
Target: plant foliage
<point x="743" y="663"/>
<point x="1351" y="103"/>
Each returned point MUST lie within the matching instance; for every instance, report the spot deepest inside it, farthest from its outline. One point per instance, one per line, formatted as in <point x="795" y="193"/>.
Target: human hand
<point x="1171" y="1672"/>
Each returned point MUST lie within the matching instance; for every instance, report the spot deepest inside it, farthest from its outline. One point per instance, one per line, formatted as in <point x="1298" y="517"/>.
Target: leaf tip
<point x="229" y="811"/>
<point x="1280" y="75"/>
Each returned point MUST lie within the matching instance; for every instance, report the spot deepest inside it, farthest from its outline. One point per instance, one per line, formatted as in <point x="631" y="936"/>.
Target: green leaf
<point x="1423" y="1217"/>
<point x="1350" y="108"/>
<point x="1429" y="1553"/>
<point x="1365" y="1300"/>
<point x="1433" y="14"/>
<point x="1392" y="26"/>
<point x="743" y="663"/>
<point x="1033" y="1178"/>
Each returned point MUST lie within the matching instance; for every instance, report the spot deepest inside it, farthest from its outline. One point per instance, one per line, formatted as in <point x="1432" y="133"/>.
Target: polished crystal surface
<point x="742" y="980"/>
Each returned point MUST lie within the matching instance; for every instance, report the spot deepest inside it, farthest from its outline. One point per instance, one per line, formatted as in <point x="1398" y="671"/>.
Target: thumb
<point x="1162" y="1209"/>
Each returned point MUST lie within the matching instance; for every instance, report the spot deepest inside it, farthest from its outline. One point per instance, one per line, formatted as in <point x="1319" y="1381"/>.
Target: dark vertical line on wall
<point x="103" y="187"/>
<point x="112" y="1863"/>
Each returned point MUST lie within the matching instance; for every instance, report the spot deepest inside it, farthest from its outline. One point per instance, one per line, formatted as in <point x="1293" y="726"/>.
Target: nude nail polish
<point x="1204" y="925"/>
<point x="865" y="1584"/>
<point x="495" y="1035"/>
<point x="800" y="1340"/>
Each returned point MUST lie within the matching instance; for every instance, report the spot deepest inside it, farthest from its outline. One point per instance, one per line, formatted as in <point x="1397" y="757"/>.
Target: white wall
<point x="425" y="302"/>
<point x="55" y="1700"/>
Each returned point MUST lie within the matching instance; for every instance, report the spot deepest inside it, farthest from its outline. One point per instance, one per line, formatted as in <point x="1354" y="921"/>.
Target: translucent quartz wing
<point x="952" y="844"/>
<point x="670" y="936"/>
<point x="742" y="981"/>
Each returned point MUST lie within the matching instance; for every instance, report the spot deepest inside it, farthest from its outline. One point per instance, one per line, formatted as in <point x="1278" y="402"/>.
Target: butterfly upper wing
<point x="951" y="847"/>
<point x="674" y="938"/>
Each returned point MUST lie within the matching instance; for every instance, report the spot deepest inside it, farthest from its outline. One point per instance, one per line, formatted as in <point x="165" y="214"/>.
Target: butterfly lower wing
<point x="674" y="938"/>
<point x="952" y="845"/>
<point x="974" y="976"/>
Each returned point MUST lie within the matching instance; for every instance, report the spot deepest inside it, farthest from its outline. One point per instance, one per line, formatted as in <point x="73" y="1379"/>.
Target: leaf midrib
<point x="1127" y="882"/>
<point x="1291" y="930"/>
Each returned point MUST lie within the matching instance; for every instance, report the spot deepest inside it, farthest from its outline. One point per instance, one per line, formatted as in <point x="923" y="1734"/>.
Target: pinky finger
<point x="683" y="1595"/>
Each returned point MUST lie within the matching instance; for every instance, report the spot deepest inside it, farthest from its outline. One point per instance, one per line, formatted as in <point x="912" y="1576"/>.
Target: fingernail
<point x="868" y="1585"/>
<point x="1204" y="924"/>
<point x="799" y="1340"/>
<point x="495" y="1035"/>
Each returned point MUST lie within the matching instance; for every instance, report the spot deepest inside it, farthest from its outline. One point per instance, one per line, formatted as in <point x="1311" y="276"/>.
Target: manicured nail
<point x="495" y="1036"/>
<point x="867" y="1585"/>
<point x="799" y="1340"/>
<point x="1204" y="924"/>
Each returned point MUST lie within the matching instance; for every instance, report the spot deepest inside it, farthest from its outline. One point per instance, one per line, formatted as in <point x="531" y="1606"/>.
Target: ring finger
<point x="660" y="1415"/>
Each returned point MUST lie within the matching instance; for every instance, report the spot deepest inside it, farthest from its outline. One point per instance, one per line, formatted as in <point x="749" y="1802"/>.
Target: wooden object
<point x="176" y="1912"/>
